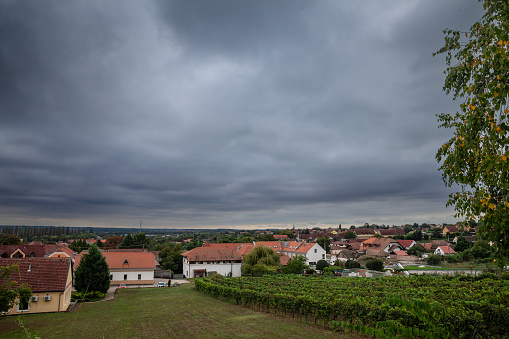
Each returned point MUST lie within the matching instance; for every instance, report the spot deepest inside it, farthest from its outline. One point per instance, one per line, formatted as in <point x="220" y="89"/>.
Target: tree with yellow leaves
<point x="476" y="157"/>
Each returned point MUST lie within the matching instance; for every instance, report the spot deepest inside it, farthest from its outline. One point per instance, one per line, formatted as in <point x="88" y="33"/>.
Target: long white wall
<point x="223" y="269"/>
<point x="132" y="275"/>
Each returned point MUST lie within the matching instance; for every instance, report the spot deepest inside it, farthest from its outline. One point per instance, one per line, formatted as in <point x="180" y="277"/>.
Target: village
<point x="142" y="261"/>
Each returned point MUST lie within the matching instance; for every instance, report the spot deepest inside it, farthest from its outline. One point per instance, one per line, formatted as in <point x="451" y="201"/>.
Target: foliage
<point x="324" y="242"/>
<point x="375" y="265"/>
<point x="436" y="233"/>
<point x="93" y="273"/>
<point x="11" y="292"/>
<point x="261" y="260"/>
<point x="296" y="265"/>
<point x="433" y="259"/>
<point x="408" y="229"/>
<point x="139" y="240"/>
<point x="421" y="306"/>
<point x="416" y="250"/>
<point x="78" y="245"/>
<point x="462" y="244"/>
<point x="352" y="264"/>
<point x="417" y="235"/>
<point x="321" y="264"/>
<point x="87" y="296"/>
<point x="171" y="258"/>
<point x="113" y="241"/>
<point x="265" y="237"/>
<point x="127" y="242"/>
<point x="481" y="250"/>
<point x="350" y="235"/>
<point x="310" y="271"/>
<point x="10" y="239"/>
<point x="476" y="157"/>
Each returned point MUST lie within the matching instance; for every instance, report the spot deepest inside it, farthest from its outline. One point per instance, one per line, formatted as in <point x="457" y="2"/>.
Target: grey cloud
<point x="222" y="113"/>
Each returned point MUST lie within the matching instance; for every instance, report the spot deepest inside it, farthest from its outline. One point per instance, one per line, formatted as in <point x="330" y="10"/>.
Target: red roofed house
<point x="312" y="251"/>
<point x="203" y="261"/>
<point x="390" y="232"/>
<point x="364" y="232"/>
<point x="50" y="280"/>
<point x="131" y="268"/>
<point x="450" y="229"/>
<point x="444" y="250"/>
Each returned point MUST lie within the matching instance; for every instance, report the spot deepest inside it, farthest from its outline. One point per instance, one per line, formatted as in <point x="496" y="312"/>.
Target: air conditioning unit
<point x="35" y="298"/>
<point x="47" y="297"/>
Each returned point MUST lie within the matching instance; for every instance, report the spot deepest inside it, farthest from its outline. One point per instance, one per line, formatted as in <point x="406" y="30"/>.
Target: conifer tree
<point x="92" y="273"/>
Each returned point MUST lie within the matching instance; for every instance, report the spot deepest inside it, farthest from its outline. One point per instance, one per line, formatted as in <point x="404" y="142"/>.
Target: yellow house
<point x="50" y="280"/>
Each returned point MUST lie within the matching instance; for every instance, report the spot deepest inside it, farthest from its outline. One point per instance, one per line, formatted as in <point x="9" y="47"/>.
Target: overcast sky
<point x="223" y="113"/>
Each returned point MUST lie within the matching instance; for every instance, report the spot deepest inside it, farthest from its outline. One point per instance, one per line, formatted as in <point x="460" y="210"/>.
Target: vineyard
<point x="415" y="306"/>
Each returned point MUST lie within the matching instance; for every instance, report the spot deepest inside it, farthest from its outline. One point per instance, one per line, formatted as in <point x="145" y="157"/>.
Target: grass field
<point x="179" y="312"/>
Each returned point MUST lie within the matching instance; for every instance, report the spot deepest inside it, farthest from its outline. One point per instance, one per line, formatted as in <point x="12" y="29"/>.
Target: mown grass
<point x="174" y="312"/>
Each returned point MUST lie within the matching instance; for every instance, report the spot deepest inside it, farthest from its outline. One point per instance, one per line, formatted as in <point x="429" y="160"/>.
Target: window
<point x="111" y="276"/>
<point x="323" y="256"/>
<point x="316" y="250"/>
<point x="125" y="276"/>
<point x="23" y="305"/>
<point x="139" y="276"/>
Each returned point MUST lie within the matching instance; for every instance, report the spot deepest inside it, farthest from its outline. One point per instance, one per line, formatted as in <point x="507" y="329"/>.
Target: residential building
<point x="128" y="267"/>
<point x="50" y="280"/>
<point x="444" y="250"/>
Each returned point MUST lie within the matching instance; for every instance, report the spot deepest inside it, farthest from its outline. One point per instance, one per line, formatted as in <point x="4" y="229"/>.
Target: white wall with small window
<point x="132" y="277"/>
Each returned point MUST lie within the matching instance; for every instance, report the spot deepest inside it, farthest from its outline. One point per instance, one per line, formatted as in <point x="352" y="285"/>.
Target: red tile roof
<point x="116" y="260"/>
<point x="391" y="231"/>
<point x="41" y="274"/>
<point x="406" y="243"/>
<point x="212" y="254"/>
<point x="447" y="249"/>
<point x="37" y="250"/>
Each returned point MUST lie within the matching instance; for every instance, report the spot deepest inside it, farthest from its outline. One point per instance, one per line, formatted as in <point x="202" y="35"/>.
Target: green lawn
<point x="178" y="312"/>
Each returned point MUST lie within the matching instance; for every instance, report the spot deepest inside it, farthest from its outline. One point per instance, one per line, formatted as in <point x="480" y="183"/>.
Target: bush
<point x="321" y="264"/>
<point x="375" y="265"/>
<point x="352" y="264"/>
<point x="467" y="255"/>
<point x="310" y="271"/>
<point x="87" y="296"/>
<point x="454" y="258"/>
<point x="433" y="259"/>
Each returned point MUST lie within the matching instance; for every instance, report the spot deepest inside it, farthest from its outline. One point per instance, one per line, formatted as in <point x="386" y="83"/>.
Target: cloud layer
<point x="223" y="113"/>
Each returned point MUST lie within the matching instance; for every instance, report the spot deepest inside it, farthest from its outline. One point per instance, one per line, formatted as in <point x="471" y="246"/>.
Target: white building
<point x="131" y="268"/>
<point x="312" y="251"/>
<point x="203" y="261"/>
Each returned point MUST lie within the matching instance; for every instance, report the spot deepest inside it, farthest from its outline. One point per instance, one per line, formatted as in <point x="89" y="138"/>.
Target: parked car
<point x="122" y="286"/>
<point x="161" y="284"/>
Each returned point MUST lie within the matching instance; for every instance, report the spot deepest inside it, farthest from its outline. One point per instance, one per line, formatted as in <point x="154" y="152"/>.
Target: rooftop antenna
<point x="140" y="226"/>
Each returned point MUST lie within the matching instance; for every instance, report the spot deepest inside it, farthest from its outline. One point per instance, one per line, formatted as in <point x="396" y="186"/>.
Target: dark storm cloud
<point x="186" y="113"/>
